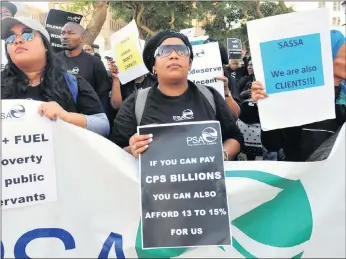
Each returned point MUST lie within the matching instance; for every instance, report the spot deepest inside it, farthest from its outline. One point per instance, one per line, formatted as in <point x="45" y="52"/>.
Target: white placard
<point x="206" y="66"/>
<point x="277" y="209"/>
<point x="291" y="56"/>
<point x="127" y="51"/>
<point x="27" y="162"/>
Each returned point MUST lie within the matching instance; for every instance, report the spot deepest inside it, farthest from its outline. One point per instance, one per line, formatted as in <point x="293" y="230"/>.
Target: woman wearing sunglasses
<point x="33" y="72"/>
<point x="173" y="98"/>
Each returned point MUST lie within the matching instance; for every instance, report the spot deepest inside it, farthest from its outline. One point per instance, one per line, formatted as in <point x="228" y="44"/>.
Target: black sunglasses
<point x="26" y="35"/>
<point x="166" y="50"/>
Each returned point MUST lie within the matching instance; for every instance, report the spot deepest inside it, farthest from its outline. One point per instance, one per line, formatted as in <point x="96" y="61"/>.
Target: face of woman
<point x="25" y="50"/>
<point x="173" y="65"/>
<point x="339" y="63"/>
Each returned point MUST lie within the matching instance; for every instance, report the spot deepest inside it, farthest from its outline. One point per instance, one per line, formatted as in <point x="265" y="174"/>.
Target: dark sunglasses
<point x="166" y="50"/>
<point x="26" y="35"/>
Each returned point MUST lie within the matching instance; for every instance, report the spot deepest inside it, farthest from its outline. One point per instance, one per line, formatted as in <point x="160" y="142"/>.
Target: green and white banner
<point x="69" y="193"/>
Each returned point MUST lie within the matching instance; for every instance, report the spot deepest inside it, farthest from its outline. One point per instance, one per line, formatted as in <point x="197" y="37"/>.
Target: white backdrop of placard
<point x="277" y="209"/>
<point x="297" y="95"/>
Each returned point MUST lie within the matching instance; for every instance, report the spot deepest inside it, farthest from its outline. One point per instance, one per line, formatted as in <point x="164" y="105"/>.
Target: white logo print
<point x="186" y="115"/>
<point x="209" y="134"/>
<point x="208" y="137"/>
<point x="74" y="71"/>
<point x="73" y="19"/>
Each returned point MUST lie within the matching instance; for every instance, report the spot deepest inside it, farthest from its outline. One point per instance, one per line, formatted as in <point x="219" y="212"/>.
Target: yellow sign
<point x="127" y="53"/>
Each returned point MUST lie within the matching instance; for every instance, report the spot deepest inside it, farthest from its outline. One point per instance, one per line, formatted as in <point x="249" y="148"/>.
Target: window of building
<point x="339" y="21"/>
<point x="334" y="21"/>
<point x="321" y="4"/>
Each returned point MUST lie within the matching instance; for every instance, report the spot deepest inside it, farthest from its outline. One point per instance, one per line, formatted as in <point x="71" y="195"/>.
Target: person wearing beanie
<point x="34" y="72"/>
<point x="299" y="143"/>
<point x="173" y="99"/>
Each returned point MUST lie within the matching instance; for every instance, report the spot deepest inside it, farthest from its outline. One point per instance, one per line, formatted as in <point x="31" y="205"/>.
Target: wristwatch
<point x="228" y="94"/>
<point x="225" y="155"/>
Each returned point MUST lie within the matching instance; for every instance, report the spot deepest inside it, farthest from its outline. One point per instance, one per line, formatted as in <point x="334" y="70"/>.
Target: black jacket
<point x="300" y="142"/>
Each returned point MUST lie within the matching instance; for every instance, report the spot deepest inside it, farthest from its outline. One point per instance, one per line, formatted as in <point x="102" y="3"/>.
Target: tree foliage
<point x="218" y="18"/>
<point x="152" y="16"/>
<point x="224" y="16"/>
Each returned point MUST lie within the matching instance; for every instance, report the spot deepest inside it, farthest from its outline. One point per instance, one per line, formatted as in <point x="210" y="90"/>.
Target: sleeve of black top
<point x="88" y="102"/>
<point x="233" y="87"/>
<point x="125" y="125"/>
<point x="229" y="128"/>
<point x="103" y="83"/>
<point x="272" y="140"/>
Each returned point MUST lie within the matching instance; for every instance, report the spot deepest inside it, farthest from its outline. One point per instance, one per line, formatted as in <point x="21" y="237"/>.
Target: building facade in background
<point x="337" y="14"/>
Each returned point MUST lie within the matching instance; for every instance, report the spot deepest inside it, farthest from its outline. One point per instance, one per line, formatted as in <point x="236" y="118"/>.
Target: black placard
<point x="56" y="19"/>
<point x="183" y="191"/>
<point x="234" y="47"/>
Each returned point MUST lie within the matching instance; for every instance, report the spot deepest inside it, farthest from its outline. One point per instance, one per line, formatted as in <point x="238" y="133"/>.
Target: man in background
<point x="8" y="9"/>
<point x="90" y="50"/>
<point x="79" y="63"/>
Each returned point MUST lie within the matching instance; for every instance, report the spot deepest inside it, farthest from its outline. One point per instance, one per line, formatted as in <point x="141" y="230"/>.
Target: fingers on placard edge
<point x="141" y="150"/>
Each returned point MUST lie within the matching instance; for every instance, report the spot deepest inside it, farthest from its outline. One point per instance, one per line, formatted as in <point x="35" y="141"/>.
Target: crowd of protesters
<point x="76" y="87"/>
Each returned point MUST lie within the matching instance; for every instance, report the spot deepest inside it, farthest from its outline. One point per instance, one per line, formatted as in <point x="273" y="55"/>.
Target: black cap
<point x="223" y="51"/>
<point x="155" y="41"/>
<point x="10" y="6"/>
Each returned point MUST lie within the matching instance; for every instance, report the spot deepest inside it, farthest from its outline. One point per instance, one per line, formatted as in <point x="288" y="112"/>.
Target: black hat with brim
<point x="155" y="41"/>
<point x="10" y="6"/>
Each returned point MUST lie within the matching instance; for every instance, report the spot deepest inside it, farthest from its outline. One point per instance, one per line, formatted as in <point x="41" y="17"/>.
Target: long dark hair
<point x="14" y="81"/>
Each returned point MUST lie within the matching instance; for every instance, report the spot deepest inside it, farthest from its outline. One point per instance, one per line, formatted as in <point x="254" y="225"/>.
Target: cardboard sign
<point x="234" y="47"/>
<point x="56" y="19"/>
<point x="183" y="187"/>
<point x="127" y="51"/>
<point x="292" y="58"/>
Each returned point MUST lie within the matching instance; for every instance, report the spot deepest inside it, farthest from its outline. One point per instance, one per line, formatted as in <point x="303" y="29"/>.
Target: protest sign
<point x="56" y="19"/>
<point x="234" y="48"/>
<point x="292" y="58"/>
<point x="206" y="66"/>
<point x="3" y="55"/>
<point x="128" y="53"/>
<point x="27" y="162"/>
<point x="279" y="209"/>
<point x="183" y="186"/>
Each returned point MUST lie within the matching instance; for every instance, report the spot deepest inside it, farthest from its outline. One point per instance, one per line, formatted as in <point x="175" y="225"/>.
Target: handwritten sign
<point x="295" y="73"/>
<point x="127" y="51"/>
<point x="292" y="58"/>
<point x="127" y="54"/>
<point x="206" y="66"/>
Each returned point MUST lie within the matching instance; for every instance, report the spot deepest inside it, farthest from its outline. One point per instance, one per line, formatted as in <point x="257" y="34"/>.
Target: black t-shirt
<point x="88" y="102"/>
<point x="132" y="87"/>
<point x="92" y="70"/>
<point x="162" y="109"/>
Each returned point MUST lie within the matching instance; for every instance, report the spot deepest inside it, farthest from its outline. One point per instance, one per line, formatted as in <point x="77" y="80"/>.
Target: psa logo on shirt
<point x="186" y="115"/>
<point x="16" y="112"/>
<point x="73" y="71"/>
<point x="208" y="137"/>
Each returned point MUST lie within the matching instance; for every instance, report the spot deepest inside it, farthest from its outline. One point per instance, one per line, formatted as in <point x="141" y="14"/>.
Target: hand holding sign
<point x="257" y="91"/>
<point x="139" y="143"/>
